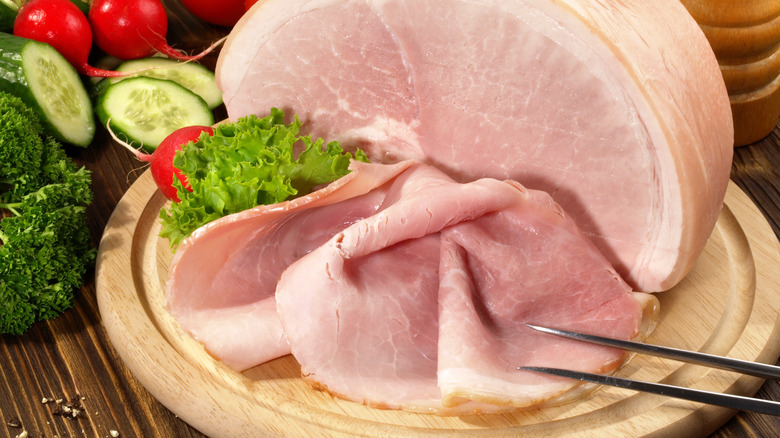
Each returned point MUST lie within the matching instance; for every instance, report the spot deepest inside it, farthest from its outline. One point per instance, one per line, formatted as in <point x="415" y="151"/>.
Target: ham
<point x="222" y="279"/>
<point x="399" y="287"/>
<point x="617" y="109"/>
<point x="421" y="305"/>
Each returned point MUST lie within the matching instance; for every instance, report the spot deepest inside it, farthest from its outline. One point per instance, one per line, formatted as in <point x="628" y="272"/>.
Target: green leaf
<point x="45" y="247"/>
<point x="253" y="161"/>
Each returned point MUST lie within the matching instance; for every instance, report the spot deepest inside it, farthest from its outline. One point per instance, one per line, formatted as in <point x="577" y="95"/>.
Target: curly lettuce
<point x="252" y="161"/>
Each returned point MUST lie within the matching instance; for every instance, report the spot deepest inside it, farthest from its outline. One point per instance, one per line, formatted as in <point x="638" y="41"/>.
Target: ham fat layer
<point x="617" y="109"/>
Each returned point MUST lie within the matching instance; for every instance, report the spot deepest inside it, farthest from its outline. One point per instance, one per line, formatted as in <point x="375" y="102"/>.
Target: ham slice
<point x="222" y="279"/>
<point x="420" y="306"/>
<point x="399" y="287"/>
<point x="617" y="109"/>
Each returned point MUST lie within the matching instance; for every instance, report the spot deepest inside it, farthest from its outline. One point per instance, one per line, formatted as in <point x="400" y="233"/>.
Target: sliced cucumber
<point x="46" y="82"/>
<point x="194" y="77"/>
<point x="145" y="110"/>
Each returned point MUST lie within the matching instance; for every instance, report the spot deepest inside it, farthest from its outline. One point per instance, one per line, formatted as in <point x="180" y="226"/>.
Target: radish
<point x="62" y="25"/>
<point x="161" y="160"/>
<point x="131" y="29"/>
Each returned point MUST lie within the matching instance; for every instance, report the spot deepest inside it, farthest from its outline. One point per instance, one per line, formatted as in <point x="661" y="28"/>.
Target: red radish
<point x="62" y="25"/>
<point x="219" y="12"/>
<point x="130" y="29"/>
<point x="161" y="160"/>
<point x="248" y="4"/>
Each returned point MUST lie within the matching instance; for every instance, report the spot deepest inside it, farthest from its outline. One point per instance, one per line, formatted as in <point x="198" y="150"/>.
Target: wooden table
<point x="71" y="359"/>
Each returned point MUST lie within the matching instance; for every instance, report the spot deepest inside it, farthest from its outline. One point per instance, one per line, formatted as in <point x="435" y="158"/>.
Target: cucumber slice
<point x="145" y="110"/>
<point x="47" y="83"/>
<point x="194" y="77"/>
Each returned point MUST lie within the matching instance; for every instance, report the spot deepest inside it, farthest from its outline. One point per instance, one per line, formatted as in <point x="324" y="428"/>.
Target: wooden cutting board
<point x="729" y="304"/>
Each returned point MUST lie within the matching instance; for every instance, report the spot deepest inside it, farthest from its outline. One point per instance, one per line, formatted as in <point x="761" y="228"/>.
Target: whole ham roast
<point x="533" y="161"/>
<point x="616" y="108"/>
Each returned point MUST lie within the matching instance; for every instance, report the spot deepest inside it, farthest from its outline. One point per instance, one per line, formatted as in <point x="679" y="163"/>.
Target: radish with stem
<point x="62" y="25"/>
<point x="161" y="160"/>
<point x="130" y="29"/>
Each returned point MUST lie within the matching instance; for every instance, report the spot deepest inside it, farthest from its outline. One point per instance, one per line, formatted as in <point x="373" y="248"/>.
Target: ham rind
<point x="617" y="109"/>
<point x="222" y="279"/>
<point x="421" y="306"/>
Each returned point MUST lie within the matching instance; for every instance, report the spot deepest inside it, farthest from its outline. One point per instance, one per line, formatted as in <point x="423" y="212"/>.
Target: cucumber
<point x="145" y="110"/>
<point x="8" y="11"/>
<point x="46" y="82"/>
<point x="194" y="77"/>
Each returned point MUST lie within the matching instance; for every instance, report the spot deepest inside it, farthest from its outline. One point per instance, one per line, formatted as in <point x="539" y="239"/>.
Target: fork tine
<point x="713" y="398"/>
<point x="756" y="369"/>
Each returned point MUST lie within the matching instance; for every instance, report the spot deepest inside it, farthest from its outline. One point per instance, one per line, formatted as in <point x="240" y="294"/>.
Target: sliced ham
<point x="420" y="306"/>
<point x="617" y="109"/>
<point x="398" y="287"/>
<point x="528" y="263"/>
<point x="222" y="279"/>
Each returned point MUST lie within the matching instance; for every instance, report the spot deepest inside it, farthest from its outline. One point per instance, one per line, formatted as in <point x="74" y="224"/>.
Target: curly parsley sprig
<point x="45" y="247"/>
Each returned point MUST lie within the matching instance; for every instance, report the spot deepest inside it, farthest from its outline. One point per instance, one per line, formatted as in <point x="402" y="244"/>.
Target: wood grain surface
<point x="72" y="355"/>
<point x="729" y="304"/>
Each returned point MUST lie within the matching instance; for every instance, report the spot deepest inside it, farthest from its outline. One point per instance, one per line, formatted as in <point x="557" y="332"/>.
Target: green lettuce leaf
<point x="253" y="161"/>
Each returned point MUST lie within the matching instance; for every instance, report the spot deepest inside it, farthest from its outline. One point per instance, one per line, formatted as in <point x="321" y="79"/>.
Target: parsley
<point x="45" y="248"/>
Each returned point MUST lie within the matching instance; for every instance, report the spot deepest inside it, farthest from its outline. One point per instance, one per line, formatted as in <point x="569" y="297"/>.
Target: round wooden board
<point x="729" y="304"/>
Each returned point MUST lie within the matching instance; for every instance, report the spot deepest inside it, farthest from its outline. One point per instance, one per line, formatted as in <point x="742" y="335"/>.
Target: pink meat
<point x="528" y="263"/>
<point x="222" y="279"/>
<point x="421" y="305"/>
<point x="617" y="109"/>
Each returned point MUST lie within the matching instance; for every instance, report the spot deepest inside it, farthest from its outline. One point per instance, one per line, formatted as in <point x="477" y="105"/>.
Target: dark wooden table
<point x="71" y="359"/>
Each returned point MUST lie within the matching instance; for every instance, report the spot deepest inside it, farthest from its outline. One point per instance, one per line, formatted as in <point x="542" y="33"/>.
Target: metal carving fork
<point x="764" y="371"/>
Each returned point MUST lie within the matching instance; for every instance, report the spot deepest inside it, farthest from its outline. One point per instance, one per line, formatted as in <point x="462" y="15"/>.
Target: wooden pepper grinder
<point x="745" y="36"/>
